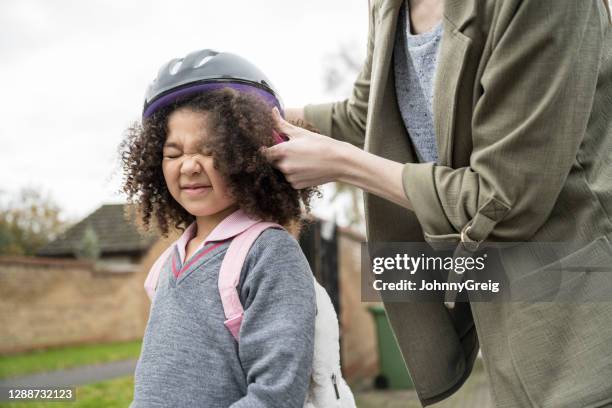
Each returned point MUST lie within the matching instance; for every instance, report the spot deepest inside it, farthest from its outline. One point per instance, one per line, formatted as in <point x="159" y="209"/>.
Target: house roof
<point x="115" y="233"/>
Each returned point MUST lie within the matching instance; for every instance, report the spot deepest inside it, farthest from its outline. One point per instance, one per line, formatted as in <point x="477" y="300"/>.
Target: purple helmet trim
<point x="170" y="98"/>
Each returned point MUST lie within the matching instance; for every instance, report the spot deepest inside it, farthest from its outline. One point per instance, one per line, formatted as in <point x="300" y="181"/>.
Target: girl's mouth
<point x="196" y="191"/>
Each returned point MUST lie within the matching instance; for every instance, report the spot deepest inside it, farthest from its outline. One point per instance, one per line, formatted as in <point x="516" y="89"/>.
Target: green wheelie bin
<point x="393" y="372"/>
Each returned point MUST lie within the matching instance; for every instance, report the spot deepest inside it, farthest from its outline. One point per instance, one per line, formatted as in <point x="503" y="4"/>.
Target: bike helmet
<point x="205" y="70"/>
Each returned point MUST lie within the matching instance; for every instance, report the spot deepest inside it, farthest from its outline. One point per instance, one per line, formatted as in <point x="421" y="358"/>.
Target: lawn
<point x="116" y="393"/>
<point x="59" y="358"/>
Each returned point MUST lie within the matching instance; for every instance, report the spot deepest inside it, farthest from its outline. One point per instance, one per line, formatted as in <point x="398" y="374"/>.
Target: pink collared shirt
<point x="232" y="225"/>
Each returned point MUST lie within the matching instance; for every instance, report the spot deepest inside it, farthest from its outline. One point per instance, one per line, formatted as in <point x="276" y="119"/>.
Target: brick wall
<point x="48" y="302"/>
<point x="359" y="344"/>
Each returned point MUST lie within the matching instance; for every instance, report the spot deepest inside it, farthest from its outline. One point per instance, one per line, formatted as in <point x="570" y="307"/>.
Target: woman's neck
<point x="425" y="14"/>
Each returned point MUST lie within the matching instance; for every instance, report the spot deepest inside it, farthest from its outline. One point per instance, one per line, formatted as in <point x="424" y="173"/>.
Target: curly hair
<point x="239" y="125"/>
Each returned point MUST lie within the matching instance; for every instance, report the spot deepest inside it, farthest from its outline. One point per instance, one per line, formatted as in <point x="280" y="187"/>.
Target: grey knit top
<point x="415" y="62"/>
<point x="189" y="358"/>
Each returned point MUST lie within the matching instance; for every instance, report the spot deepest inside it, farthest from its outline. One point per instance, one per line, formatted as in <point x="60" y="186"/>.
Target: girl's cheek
<point x="170" y="168"/>
<point x="168" y="177"/>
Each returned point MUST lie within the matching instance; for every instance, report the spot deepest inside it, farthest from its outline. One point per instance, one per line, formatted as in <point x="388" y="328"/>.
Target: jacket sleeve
<point x="276" y="340"/>
<point x="537" y="93"/>
<point x="346" y="120"/>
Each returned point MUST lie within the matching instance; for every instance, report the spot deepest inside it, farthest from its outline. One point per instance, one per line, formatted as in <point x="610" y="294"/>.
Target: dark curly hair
<point x="240" y="124"/>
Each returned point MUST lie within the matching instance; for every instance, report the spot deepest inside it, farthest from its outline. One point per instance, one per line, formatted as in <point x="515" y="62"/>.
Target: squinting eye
<point x="206" y="151"/>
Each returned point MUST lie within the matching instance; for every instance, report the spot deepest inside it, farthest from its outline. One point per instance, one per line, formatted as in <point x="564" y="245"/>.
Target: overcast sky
<point x="74" y="74"/>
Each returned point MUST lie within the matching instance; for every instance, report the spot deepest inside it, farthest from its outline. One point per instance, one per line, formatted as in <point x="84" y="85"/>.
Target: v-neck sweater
<point x="190" y="359"/>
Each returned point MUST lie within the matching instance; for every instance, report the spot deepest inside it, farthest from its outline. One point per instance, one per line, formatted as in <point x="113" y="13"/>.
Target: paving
<point x="74" y="376"/>
<point x="475" y="393"/>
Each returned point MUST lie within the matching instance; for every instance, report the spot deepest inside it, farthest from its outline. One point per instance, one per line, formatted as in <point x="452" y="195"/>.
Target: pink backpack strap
<point x="150" y="283"/>
<point x="229" y="274"/>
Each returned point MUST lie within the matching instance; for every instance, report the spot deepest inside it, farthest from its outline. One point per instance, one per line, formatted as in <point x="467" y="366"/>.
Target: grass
<point x="116" y="393"/>
<point x="59" y="358"/>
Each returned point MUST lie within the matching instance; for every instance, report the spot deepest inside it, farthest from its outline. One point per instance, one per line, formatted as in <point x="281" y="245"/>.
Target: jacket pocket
<point x="561" y="350"/>
<point x="583" y="275"/>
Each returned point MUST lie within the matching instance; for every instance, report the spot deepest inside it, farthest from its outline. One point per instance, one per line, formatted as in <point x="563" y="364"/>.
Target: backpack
<point x="327" y="388"/>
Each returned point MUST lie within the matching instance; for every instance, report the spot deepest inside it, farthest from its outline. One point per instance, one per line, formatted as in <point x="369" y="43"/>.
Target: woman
<point x="518" y="148"/>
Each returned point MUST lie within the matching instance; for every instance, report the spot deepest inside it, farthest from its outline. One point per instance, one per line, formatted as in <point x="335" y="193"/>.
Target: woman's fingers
<point x="284" y="126"/>
<point x="277" y="155"/>
<point x="273" y="153"/>
<point x="308" y="159"/>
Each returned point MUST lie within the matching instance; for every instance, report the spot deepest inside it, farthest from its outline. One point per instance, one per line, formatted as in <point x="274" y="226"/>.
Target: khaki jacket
<point x="522" y="116"/>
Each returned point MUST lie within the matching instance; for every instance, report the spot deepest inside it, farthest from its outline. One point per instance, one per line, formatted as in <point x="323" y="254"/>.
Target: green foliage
<point x="27" y="222"/>
<point x="89" y="247"/>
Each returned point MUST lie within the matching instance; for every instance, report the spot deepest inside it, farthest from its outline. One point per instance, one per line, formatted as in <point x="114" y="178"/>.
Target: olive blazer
<point x="523" y="122"/>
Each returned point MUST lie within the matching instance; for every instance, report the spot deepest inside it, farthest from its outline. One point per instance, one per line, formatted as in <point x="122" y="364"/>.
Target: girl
<point x="195" y="163"/>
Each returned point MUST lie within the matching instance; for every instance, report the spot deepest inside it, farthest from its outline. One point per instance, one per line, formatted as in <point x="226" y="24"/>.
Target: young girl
<point x="195" y="163"/>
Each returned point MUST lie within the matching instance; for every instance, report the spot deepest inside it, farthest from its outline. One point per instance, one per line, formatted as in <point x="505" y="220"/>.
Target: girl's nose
<point x="191" y="165"/>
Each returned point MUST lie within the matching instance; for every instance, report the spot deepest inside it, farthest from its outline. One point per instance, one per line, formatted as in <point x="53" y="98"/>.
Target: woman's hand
<point x="307" y="159"/>
<point x="310" y="159"/>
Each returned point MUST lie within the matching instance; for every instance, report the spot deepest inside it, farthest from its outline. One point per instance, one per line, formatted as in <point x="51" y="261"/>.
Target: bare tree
<point x="340" y="71"/>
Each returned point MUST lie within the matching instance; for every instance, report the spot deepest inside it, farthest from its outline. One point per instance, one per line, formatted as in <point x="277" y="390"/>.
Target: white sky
<point x="74" y="73"/>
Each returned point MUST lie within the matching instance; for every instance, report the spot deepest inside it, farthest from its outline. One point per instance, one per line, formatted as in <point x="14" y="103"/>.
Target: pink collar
<point x="232" y="225"/>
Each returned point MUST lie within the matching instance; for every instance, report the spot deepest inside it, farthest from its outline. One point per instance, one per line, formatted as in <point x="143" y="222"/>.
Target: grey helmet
<point x="205" y="70"/>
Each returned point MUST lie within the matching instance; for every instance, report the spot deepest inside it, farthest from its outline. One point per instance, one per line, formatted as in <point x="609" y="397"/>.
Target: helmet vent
<point x="175" y="67"/>
<point x="202" y="71"/>
<point x="204" y="60"/>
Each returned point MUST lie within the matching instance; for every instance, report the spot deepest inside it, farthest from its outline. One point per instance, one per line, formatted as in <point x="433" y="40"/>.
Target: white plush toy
<point x="327" y="386"/>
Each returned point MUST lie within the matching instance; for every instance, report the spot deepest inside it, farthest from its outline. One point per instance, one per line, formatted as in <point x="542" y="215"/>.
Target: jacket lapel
<point x="386" y="134"/>
<point x="386" y="20"/>
<point x="454" y="50"/>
